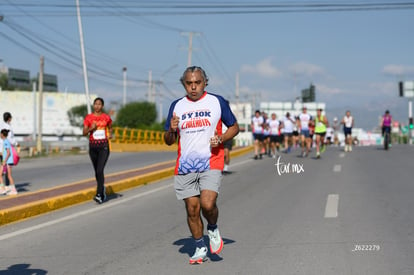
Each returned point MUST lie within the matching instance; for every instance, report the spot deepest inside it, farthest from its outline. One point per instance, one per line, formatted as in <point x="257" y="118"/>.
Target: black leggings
<point x="99" y="156"/>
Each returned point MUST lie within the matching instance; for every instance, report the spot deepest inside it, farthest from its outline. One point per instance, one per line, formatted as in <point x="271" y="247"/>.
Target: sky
<point x="354" y="52"/>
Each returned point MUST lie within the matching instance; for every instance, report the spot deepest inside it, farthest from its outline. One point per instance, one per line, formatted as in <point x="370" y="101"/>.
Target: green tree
<point x="137" y="115"/>
<point x="3" y="81"/>
<point x="76" y="115"/>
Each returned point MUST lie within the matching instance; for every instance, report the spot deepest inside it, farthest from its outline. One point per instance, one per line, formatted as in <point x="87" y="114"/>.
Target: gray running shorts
<point x="192" y="184"/>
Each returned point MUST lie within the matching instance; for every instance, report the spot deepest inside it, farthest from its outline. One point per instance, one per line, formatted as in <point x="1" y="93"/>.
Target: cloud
<point x="263" y="68"/>
<point x="306" y="69"/>
<point x="323" y="89"/>
<point x="397" y="70"/>
<point x="385" y="88"/>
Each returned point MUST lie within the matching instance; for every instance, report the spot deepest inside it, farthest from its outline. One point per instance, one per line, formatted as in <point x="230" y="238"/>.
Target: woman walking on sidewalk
<point x="98" y="126"/>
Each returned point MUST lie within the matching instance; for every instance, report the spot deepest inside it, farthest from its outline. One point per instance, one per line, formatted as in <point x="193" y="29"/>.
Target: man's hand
<point x="215" y="140"/>
<point x="175" y="120"/>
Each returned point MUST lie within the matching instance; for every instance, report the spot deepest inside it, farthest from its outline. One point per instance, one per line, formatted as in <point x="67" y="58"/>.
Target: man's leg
<point x="256" y="148"/>
<point x="317" y="141"/>
<point x="226" y="159"/>
<point x="195" y="223"/>
<point x="194" y="220"/>
<point x="302" y="144"/>
<point x="209" y="207"/>
<point x="210" y="212"/>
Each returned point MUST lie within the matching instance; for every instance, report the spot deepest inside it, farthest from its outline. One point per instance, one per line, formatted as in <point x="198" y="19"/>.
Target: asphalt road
<point x="45" y="172"/>
<point x="346" y="213"/>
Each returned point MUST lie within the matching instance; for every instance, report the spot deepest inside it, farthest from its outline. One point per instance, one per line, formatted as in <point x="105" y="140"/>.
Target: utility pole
<point x="85" y="71"/>
<point x="190" y="45"/>
<point x="124" y="70"/>
<point x="237" y="96"/>
<point x="150" y="84"/>
<point x="34" y="112"/>
<point x="40" y="116"/>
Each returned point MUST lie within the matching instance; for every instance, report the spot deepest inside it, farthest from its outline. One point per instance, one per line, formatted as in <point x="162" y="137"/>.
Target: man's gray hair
<point x="194" y="69"/>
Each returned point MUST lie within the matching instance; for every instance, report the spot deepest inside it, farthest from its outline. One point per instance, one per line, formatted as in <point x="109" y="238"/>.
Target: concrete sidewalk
<point x="23" y="206"/>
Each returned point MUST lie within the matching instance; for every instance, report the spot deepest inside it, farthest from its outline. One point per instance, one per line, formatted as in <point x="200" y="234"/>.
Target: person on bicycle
<point x="386" y="122"/>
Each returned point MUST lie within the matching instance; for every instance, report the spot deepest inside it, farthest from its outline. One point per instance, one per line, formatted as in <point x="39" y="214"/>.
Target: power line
<point x="163" y="8"/>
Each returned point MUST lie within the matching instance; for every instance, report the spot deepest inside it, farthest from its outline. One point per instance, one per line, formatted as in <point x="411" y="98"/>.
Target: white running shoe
<point x="216" y="242"/>
<point x="11" y="191"/>
<point x="199" y="256"/>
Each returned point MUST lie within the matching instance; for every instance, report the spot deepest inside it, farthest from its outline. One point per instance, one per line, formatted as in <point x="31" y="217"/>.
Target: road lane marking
<point x="341" y="155"/>
<point x="337" y="168"/>
<point x="79" y="214"/>
<point x="331" y="209"/>
<point x="242" y="162"/>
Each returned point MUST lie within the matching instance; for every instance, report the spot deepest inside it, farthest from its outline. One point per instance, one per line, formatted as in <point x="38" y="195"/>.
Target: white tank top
<point x="348" y="121"/>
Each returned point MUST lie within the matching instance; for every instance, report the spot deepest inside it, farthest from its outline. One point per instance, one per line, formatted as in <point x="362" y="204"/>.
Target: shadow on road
<point x="187" y="247"/>
<point x="23" y="187"/>
<point x="22" y="269"/>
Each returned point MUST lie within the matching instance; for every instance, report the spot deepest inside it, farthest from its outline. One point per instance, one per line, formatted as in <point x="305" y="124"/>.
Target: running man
<point x="288" y="125"/>
<point x="305" y="120"/>
<point x="348" y="122"/>
<point x="257" y="129"/>
<point x="228" y="146"/>
<point x="275" y="138"/>
<point x="321" y="123"/>
<point x="195" y="121"/>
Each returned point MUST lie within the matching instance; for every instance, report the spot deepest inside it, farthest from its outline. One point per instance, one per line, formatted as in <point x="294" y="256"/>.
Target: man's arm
<point x="326" y="121"/>
<point x="231" y="132"/>
<point x="170" y="137"/>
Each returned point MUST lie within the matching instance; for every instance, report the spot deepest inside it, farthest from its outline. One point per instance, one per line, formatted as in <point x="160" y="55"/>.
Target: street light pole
<point x="85" y="72"/>
<point x="190" y="46"/>
<point x="124" y="70"/>
<point x="40" y="110"/>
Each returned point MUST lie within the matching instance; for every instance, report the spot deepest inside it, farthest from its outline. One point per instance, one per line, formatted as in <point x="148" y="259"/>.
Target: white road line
<point x="337" y="168"/>
<point x="242" y="162"/>
<point x="341" y="155"/>
<point x="78" y="214"/>
<point x="331" y="209"/>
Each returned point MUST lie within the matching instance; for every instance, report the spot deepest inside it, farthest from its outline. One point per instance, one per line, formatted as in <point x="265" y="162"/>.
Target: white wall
<point x="55" y="107"/>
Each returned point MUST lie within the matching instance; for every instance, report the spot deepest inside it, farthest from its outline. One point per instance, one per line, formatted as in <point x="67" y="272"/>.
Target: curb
<point x="22" y="212"/>
<point x="29" y="210"/>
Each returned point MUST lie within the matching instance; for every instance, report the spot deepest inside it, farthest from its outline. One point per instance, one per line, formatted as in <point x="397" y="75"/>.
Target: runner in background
<point x="295" y="133"/>
<point x="304" y="121"/>
<point x="288" y="125"/>
<point x="348" y="122"/>
<point x="98" y="125"/>
<point x="275" y="137"/>
<point x="228" y="146"/>
<point x="257" y="129"/>
<point x="321" y="123"/>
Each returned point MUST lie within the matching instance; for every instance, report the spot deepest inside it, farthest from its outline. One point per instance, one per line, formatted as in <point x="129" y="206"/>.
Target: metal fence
<point x="138" y="136"/>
